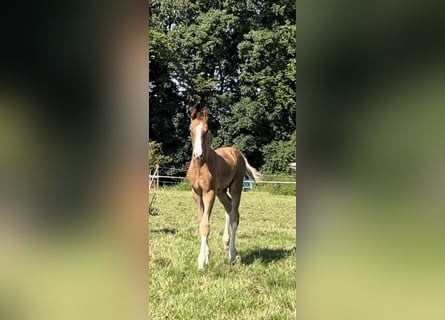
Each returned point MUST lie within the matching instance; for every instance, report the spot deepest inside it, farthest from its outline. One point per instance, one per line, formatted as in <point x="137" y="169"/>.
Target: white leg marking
<point x="226" y="232"/>
<point x="197" y="148"/>
<point x="203" y="257"/>
<point x="232" y="250"/>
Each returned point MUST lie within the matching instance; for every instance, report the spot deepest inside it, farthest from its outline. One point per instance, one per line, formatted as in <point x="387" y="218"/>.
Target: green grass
<point x="260" y="284"/>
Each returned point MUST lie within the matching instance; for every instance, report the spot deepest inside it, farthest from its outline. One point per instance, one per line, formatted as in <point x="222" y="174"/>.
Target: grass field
<point x="260" y="284"/>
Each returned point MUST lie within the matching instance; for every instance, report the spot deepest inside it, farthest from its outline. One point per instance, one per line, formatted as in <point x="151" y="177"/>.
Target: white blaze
<point x="197" y="148"/>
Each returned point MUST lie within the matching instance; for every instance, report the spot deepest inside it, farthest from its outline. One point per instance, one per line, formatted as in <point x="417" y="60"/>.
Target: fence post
<point x="157" y="178"/>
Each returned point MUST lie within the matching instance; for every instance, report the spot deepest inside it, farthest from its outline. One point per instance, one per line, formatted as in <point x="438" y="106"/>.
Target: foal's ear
<point x="205" y="114"/>
<point x="194" y="113"/>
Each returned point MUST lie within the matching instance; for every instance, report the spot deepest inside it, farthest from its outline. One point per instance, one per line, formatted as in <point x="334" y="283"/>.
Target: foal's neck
<point x="208" y="152"/>
<point x="209" y="155"/>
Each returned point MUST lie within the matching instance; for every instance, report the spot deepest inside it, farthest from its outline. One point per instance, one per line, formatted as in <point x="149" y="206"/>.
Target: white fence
<point x="154" y="176"/>
<point x="154" y="180"/>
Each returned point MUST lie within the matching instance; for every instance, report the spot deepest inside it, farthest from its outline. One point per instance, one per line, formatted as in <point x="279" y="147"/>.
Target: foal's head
<point x="199" y="131"/>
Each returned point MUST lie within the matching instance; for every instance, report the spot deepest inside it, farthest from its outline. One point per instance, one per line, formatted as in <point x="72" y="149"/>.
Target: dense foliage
<point x="155" y="155"/>
<point x="237" y="58"/>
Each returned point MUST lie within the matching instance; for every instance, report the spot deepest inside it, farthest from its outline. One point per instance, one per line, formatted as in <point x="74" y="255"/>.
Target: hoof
<point x="232" y="255"/>
<point x="201" y="265"/>
<point x="202" y="261"/>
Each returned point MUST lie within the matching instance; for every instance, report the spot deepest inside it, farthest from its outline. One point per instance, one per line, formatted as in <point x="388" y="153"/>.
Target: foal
<point x="212" y="173"/>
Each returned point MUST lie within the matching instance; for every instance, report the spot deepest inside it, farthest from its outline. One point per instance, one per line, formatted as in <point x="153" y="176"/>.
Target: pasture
<point x="260" y="284"/>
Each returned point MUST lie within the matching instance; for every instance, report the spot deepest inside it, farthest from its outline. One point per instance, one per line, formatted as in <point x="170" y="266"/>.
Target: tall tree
<point x="237" y="58"/>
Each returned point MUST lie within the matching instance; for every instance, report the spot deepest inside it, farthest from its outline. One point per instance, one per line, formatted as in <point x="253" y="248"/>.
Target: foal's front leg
<point x="200" y="210"/>
<point x="208" y="198"/>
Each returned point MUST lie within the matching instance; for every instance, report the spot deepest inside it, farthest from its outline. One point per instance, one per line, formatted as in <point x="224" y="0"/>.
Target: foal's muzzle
<point x="198" y="157"/>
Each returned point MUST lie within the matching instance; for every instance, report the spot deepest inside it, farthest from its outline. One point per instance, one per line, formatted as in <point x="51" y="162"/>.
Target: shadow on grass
<point x="265" y="255"/>
<point x="164" y="230"/>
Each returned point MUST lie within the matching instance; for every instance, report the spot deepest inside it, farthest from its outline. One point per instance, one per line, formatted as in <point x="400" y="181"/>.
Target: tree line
<point x="238" y="58"/>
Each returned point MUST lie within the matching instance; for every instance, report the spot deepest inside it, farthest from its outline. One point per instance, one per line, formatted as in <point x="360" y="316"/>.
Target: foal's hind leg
<point x="227" y="203"/>
<point x="235" y="191"/>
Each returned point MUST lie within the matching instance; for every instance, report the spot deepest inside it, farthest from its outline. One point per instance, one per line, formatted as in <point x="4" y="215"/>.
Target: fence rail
<point x="183" y="178"/>
<point x="156" y="177"/>
<point x="165" y="177"/>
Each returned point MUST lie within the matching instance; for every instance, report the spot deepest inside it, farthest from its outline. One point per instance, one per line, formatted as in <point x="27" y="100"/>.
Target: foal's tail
<point x="252" y="173"/>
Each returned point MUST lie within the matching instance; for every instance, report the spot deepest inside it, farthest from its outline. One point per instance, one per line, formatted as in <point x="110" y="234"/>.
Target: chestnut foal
<point x="212" y="173"/>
